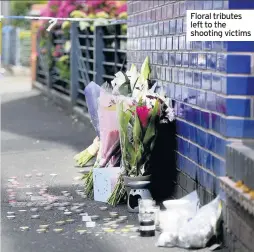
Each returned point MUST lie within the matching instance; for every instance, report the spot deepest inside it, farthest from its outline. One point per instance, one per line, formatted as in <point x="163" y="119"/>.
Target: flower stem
<point x="117" y="193"/>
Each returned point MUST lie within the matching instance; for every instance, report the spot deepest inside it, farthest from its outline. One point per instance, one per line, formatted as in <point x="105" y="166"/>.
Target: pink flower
<point x="56" y="54"/>
<point x="110" y="2"/>
<point x="143" y="115"/>
<point x="122" y="8"/>
<point x="94" y="3"/>
<point x="43" y="50"/>
<point x="46" y="12"/>
<point x="70" y="8"/>
<point x="54" y="3"/>
<point x="41" y="28"/>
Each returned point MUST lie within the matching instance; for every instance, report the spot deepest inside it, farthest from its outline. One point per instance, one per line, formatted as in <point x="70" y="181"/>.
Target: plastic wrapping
<point x="86" y="155"/>
<point x="178" y="211"/>
<point x="109" y="133"/>
<point x="191" y="198"/>
<point x="92" y="93"/>
<point x="198" y="231"/>
<point x="195" y="232"/>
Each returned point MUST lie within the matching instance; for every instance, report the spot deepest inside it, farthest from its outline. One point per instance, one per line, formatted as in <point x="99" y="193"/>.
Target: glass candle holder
<point x="155" y="210"/>
<point x="145" y="204"/>
<point x="147" y="224"/>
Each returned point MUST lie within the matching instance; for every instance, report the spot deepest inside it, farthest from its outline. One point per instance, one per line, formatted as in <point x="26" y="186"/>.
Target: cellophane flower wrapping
<point x="137" y="126"/>
<point x="86" y="155"/>
<point x="138" y="120"/>
<point x="92" y="93"/>
<point x="109" y="130"/>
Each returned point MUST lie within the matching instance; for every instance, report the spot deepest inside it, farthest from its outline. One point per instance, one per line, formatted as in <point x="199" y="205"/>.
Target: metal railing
<point x="60" y="79"/>
<point x="43" y="63"/>
<point x="24" y="46"/>
<point x="16" y="46"/>
<point x="9" y="45"/>
<point x="94" y="56"/>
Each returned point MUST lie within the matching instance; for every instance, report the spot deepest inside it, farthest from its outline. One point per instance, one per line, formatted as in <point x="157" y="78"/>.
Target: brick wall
<point x="211" y="83"/>
<point x="238" y="229"/>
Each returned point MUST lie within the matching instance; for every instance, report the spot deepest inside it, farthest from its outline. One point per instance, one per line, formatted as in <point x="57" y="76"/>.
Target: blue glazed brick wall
<point x="212" y="84"/>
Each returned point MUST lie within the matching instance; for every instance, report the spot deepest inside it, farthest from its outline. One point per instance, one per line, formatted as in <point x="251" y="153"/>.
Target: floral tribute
<point x="138" y="121"/>
<point x="125" y="114"/>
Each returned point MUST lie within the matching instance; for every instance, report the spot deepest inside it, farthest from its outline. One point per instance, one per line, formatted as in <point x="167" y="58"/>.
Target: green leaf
<point x="43" y="42"/>
<point x="131" y="152"/>
<point x="150" y="132"/>
<point x="145" y="69"/>
<point x="128" y="151"/>
<point x="124" y="89"/>
<point x="125" y="119"/>
<point x="133" y="76"/>
<point x="139" y="157"/>
<point x="83" y="25"/>
<point x="137" y="131"/>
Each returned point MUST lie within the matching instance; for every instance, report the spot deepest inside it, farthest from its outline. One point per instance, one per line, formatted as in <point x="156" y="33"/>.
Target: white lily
<point x="118" y="81"/>
<point x="133" y="75"/>
<point x="170" y="114"/>
<point x="141" y="88"/>
<point x="67" y="46"/>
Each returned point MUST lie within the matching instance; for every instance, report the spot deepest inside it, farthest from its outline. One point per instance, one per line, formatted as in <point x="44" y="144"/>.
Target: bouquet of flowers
<point x="86" y="155"/>
<point x="138" y="119"/>
<point x="137" y="131"/>
<point x="127" y="113"/>
<point x="108" y="132"/>
<point x="92" y="93"/>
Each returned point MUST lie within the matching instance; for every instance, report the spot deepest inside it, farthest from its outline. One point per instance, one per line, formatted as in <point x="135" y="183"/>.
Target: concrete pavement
<point x="40" y="139"/>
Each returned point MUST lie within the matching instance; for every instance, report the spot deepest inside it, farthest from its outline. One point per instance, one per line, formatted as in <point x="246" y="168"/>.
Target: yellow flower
<point x="239" y="183"/>
<point x="66" y="25"/>
<point x="245" y="189"/>
<point x="102" y="14"/>
<point x="91" y="15"/>
<point x="78" y="14"/>
<point x="251" y="193"/>
<point x="123" y="15"/>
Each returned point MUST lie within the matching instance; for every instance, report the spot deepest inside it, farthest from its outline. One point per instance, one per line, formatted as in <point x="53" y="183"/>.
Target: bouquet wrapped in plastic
<point x="109" y="151"/>
<point x="92" y="93"/>
<point x="137" y="134"/>
<point x="86" y="155"/>
<point x="138" y="118"/>
<point x="109" y="133"/>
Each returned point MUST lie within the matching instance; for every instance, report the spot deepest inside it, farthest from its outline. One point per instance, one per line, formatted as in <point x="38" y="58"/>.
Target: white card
<point x="86" y="218"/>
<point x="90" y="224"/>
